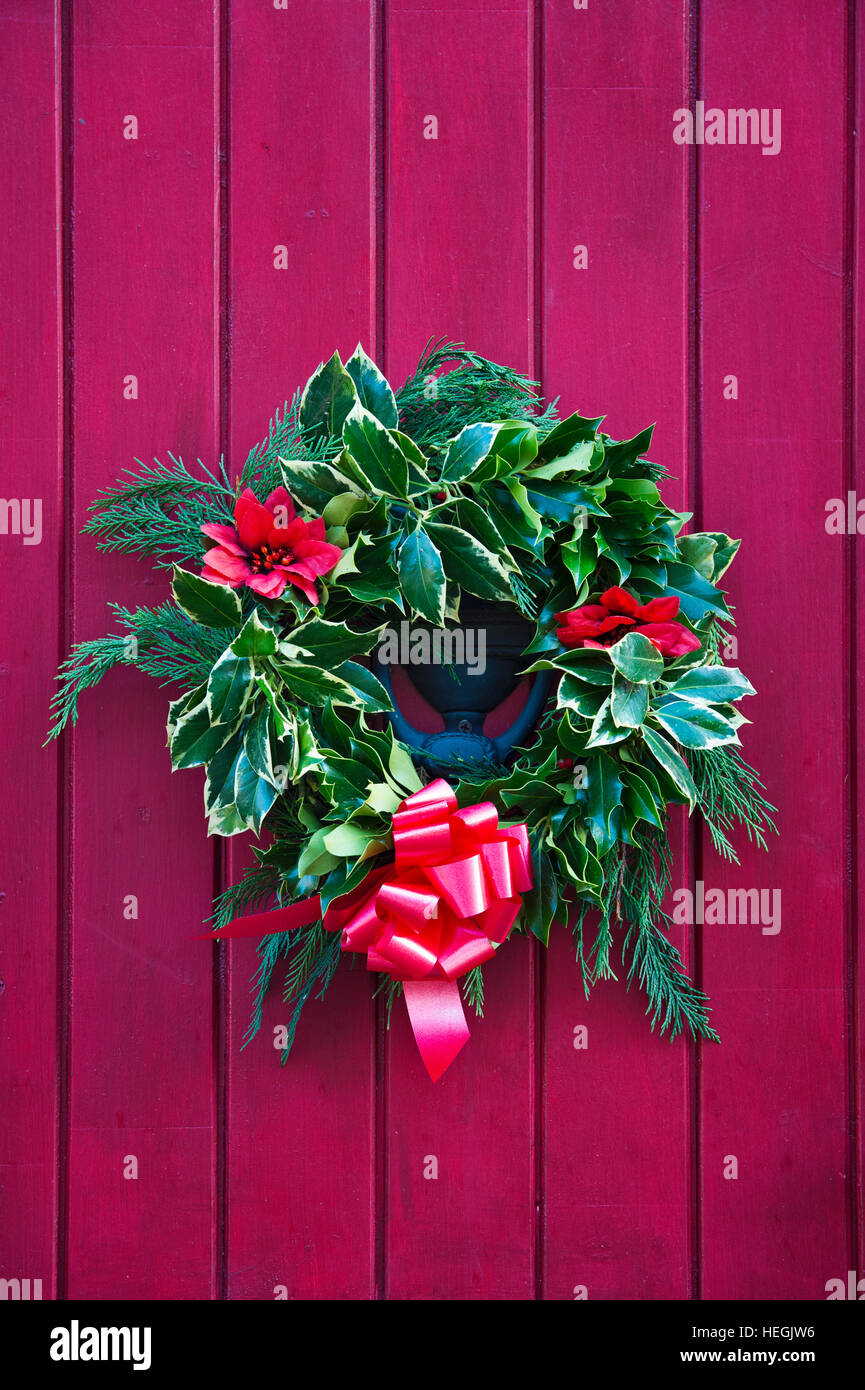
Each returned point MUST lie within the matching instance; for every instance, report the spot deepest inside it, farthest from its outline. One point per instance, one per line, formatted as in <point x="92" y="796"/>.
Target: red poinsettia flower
<point x="602" y="624"/>
<point x="265" y="555"/>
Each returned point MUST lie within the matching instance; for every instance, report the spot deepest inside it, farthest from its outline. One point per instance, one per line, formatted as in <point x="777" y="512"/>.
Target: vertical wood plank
<point x="31" y="464"/>
<point x="459" y="210"/>
<point x="855" y="571"/>
<point x="772" y="313"/>
<point x="616" y="1135"/>
<point x="141" y="1068"/>
<point x="301" y="1139"/>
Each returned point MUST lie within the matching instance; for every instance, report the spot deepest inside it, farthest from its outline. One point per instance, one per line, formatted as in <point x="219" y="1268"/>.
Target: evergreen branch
<point x="83" y="669"/>
<point x="433" y="408"/>
<point x="271" y="950"/>
<point x="391" y="989"/>
<point x="284" y="437"/>
<point x="163" y="642"/>
<point x="729" y="792"/>
<point x="320" y="969"/>
<point x="675" y="1003"/>
<point x="160" y="511"/>
<point x="170" y="645"/>
<point x="473" y="990"/>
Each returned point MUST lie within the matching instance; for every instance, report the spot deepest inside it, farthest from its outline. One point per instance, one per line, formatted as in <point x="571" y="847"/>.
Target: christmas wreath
<point x="371" y="524"/>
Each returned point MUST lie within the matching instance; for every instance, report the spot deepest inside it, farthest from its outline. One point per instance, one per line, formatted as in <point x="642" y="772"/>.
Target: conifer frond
<point x="160" y="510"/>
<point x="83" y="669"/>
<point x="452" y="387"/>
<point x="730" y="792"/>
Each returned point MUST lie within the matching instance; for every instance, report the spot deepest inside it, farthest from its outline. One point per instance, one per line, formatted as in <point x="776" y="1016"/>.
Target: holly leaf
<point x="369" y="692"/>
<point x="714" y="685"/>
<point x="253" y="795"/>
<point x="376" y="452"/>
<point x="541" y="900"/>
<point x="674" y="766"/>
<point x="194" y="739"/>
<point x="327" y="398"/>
<point x="229" y="687"/>
<point x="330" y="644"/>
<point x="257" y="637"/>
<point x="470" y="564"/>
<point x="256" y="745"/>
<point x="575" y="429"/>
<point x="639" y="801"/>
<point x="578" y="459"/>
<point x="695" y="594"/>
<point x="373" y="389"/>
<point x="422" y="576"/>
<point x="470" y="447"/>
<point x="315" y="484"/>
<point x="630" y="702"/>
<point x="694" y="726"/>
<point x="636" y="658"/>
<point x="604" y="728"/>
<point x="212" y="605"/>
<point x="603" y="794"/>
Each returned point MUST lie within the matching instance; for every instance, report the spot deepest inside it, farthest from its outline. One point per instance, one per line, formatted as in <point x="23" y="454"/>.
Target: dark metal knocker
<point x="464" y="695"/>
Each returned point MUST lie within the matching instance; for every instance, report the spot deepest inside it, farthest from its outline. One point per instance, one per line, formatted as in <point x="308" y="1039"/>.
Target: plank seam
<point x="378" y="309"/>
<point x="695" y="480"/>
<point x="852" y="797"/>
<point x="536" y="293"/>
<point x="222" y="326"/>
<point x="63" y="30"/>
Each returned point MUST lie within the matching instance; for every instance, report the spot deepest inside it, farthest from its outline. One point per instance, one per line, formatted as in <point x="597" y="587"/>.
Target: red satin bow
<point x="445" y="904"/>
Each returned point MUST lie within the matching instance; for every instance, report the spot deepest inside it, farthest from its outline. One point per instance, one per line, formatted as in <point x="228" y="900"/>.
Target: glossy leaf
<point x="376" y="452"/>
<point x="327" y="398"/>
<point x="636" y="658"/>
<point x="630" y="702"/>
<point x="603" y="795"/>
<point x="373" y="389"/>
<point x="694" y="726"/>
<point x="329" y="644"/>
<point x="716" y="685"/>
<point x="470" y="564"/>
<point x="228" y="688"/>
<point x="674" y="766"/>
<point x="604" y="729"/>
<point x="212" y="605"/>
<point x="257" y="637"/>
<point x="422" y="577"/>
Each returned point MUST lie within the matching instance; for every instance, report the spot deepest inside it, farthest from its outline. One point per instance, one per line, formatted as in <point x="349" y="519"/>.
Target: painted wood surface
<point x="430" y="169"/>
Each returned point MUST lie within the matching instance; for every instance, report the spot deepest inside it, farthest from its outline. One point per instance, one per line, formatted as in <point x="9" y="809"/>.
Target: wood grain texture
<point x="430" y="168"/>
<point x="456" y="269"/>
<point x="301" y="1138"/>
<point x="771" y="295"/>
<point x="141" y="1078"/>
<point x="31" y="463"/>
<point x="616" y="1135"/>
<point x="856" y="617"/>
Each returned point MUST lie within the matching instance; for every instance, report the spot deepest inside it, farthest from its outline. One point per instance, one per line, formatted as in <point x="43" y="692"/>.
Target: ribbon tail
<point x="279" y="919"/>
<point x="435" y="1012"/>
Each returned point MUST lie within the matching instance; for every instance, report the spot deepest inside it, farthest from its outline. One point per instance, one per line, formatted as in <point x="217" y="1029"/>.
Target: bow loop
<point x="442" y="908"/>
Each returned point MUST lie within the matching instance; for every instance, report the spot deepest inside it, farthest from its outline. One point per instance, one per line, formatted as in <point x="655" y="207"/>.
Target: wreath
<point x="373" y="525"/>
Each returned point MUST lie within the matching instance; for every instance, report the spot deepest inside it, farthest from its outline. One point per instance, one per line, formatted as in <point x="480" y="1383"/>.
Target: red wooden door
<point x="155" y="159"/>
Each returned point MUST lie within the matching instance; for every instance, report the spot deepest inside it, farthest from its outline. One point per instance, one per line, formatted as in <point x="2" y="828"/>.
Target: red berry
<point x="565" y="762"/>
<point x="440" y="497"/>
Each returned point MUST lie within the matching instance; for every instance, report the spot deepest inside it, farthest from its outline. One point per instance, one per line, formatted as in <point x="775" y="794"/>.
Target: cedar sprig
<point x="452" y="387"/>
<point x="730" y="793"/>
<point x="160" y="510"/>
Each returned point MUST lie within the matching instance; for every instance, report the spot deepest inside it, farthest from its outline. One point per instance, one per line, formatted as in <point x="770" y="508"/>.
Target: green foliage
<point x="160" y="511"/>
<point x="730" y="793"/>
<point x="463" y="481"/>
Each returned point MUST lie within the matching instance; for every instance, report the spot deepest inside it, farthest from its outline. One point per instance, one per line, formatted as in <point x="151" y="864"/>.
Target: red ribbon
<point x="445" y="904"/>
